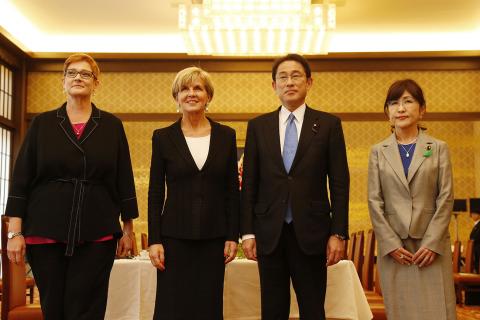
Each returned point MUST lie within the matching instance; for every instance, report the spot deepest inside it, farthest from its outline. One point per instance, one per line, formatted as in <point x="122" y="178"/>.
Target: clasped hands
<point x="423" y="257"/>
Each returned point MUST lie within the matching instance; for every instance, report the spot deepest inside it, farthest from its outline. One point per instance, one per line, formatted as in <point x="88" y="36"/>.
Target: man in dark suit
<point x="294" y="159"/>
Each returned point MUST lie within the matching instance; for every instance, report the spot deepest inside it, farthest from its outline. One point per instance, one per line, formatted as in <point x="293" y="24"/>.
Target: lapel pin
<point x="428" y="151"/>
<point x="315" y="126"/>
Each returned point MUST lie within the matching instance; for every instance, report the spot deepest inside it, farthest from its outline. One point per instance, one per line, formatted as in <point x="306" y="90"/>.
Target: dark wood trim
<point x="10" y="53"/>
<point x="9" y="124"/>
<point x="242" y="117"/>
<point x="387" y="61"/>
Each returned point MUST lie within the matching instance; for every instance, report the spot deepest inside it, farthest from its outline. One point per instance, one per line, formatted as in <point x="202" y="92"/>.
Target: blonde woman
<point x="192" y="205"/>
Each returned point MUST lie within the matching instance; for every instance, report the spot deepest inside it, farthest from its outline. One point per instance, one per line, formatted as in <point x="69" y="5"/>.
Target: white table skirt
<point x="133" y="283"/>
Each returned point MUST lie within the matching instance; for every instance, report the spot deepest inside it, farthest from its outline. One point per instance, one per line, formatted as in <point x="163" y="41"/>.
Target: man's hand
<point x="230" y="251"/>
<point x="249" y="247"/>
<point x="335" y="250"/>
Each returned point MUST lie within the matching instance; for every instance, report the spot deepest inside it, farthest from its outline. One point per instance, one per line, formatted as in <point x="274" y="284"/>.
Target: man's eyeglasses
<point x="296" y="78"/>
<point x="407" y="102"/>
<point x="84" y="74"/>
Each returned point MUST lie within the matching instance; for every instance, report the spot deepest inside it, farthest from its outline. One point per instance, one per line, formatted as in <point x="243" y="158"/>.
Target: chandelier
<point x="256" y="27"/>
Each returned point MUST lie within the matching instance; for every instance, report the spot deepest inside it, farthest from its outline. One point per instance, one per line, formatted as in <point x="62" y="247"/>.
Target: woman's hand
<point x="157" y="256"/>
<point x="230" y="251"/>
<point x="125" y="245"/>
<point x="402" y="256"/>
<point x="424" y="257"/>
<point x="16" y="249"/>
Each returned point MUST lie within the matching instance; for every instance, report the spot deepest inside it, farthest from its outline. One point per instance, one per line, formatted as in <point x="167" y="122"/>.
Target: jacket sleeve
<point x="438" y="226"/>
<point x="125" y="180"/>
<point x="339" y="180"/>
<point x="233" y="193"/>
<point x="387" y="239"/>
<point x="156" y="191"/>
<point x="249" y="181"/>
<point x="23" y="174"/>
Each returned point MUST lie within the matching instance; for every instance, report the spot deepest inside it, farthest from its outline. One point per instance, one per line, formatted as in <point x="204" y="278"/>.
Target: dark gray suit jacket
<point x="319" y="167"/>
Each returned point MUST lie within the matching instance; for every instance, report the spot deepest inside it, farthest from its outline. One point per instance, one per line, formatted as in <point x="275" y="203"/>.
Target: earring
<point x="206" y="107"/>
<point x="178" y="109"/>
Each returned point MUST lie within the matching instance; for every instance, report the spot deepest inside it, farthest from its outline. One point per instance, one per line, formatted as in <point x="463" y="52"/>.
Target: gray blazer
<point x="418" y="206"/>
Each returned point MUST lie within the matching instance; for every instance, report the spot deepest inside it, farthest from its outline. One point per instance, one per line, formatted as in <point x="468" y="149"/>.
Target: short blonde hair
<point x="187" y="76"/>
<point x="82" y="57"/>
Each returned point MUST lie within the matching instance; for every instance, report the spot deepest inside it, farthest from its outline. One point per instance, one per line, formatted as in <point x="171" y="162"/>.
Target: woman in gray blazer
<point x="410" y="199"/>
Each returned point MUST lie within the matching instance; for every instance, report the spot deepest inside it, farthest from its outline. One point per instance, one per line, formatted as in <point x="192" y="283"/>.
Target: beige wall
<point x="242" y="92"/>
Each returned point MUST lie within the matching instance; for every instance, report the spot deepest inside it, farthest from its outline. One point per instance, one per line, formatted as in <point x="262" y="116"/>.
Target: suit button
<point x="290" y="178"/>
<point x="284" y="201"/>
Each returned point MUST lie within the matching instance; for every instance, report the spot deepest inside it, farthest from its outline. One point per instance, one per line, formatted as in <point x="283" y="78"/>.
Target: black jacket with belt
<point x="200" y="204"/>
<point x="73" y="190"/>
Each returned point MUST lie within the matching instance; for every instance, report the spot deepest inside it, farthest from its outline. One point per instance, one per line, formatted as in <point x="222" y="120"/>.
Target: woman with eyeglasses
<point x="193" y="204"/>
<point x="72" y="182"/>
<point x="410" y="199"/>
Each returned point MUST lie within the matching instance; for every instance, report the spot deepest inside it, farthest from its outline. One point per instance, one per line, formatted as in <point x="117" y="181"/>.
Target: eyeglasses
<point x="407" y="102"/>
<point x="296" y="78"/>
<point x="84" y="74"/>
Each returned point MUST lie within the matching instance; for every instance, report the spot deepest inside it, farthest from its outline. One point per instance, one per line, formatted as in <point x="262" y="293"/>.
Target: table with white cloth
<point x="133" y="283"/>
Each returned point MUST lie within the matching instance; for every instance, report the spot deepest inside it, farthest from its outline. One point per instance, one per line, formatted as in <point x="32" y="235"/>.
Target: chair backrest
<point x="13" y="278"/>
<point x="351" y="246"/>
<point x="368" y="261"/>
<point x="456" y="256"/>
<point x="135" y="247"/>
<point x="377" y="288"/>
<point x="358" y="254"/>
<point x="469" y="257"/>
<point x="144" y="241"/>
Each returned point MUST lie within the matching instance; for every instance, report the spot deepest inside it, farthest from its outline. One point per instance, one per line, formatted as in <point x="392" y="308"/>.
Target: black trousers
<point x="76" y="287"/>
<point x="308" y="274"/>
<point x="191" y="287"/>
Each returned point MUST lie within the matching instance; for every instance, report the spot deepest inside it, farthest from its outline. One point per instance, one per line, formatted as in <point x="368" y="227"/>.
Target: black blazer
<point x="73" y="190"/>
<point x="199" y="204"/>
<point x="267" y="188"/>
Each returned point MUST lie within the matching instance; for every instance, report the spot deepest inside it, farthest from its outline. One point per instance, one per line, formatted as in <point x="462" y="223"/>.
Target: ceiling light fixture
<point x="256" y="27"/>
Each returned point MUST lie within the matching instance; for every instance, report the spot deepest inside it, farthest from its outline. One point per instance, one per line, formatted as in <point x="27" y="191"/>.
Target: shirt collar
<point x="299" y="113"/>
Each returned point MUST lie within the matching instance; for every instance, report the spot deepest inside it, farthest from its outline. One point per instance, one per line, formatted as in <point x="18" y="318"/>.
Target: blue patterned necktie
<point x="289" y="149"/>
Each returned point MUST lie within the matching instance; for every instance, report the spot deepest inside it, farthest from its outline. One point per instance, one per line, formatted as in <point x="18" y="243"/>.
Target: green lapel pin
<point x="428" y="151"/>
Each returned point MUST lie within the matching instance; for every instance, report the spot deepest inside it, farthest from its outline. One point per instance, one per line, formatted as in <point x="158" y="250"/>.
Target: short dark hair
<point x="399" y="87"/>
<point x="292" y="57"/>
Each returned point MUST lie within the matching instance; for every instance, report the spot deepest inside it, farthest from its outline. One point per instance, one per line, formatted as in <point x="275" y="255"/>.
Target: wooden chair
<point x="456" y="256"/>
<point x="368" y="261"/>
<point x="144" y="240"/>
<point x="358" y="254"/>
<point x="135" y="247"/>
<point x="351" y="246"/>
<point x="14" y="301"/>
<point x="466" y="281"/>
<point x="469" y="257"/>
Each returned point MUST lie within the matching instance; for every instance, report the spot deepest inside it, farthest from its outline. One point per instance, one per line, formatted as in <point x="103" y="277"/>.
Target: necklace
<point x="78" y="128"/>
<point x="407" y="151"/>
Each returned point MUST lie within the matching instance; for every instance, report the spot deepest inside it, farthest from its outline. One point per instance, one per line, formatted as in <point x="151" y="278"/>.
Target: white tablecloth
<point x="132" y="289"/>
